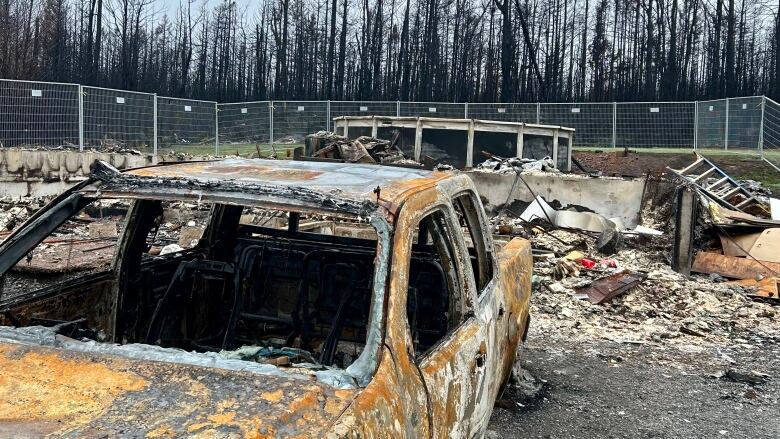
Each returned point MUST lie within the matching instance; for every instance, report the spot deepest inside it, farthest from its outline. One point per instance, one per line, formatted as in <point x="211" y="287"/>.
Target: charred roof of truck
<point x="356" y="189"/>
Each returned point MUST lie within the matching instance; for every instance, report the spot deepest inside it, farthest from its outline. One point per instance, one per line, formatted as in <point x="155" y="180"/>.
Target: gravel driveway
<point x="608" y="389"/>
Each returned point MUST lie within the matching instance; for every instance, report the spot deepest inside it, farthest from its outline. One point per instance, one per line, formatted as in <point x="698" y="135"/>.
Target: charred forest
<point x="421" y="50"/>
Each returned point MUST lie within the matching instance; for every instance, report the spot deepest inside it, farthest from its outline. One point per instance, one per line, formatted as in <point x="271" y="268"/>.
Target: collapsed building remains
<point x="458" y="142"/>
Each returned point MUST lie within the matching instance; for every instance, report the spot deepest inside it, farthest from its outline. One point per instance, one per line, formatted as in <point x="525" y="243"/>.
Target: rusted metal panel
<point x="56" y="392"/>
<point x="453" y="379"/>
<point x="605" y="289"/>
<point x="349" y="181"/>
<point x="356" y="189"/>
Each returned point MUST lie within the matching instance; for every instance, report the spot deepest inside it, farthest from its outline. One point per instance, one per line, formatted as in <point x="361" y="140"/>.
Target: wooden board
<point x="766" y="287"/>
<point x="764" y="246"/>
<point x="735" y="268"/>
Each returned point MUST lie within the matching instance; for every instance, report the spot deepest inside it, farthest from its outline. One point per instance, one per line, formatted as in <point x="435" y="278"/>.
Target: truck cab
<point x="337" y="299"/>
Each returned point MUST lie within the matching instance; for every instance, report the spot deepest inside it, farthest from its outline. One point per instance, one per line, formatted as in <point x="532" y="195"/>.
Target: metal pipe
<point x="726" y="134"/>
<point x="81" y="118"/>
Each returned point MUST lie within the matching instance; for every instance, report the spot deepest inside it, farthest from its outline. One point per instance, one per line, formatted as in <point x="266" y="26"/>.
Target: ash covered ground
<point x="675" y="356"/>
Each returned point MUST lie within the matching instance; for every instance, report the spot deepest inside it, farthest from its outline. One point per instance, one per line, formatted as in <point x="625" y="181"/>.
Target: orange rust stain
<point x="274" y="396"/>
<point x="308" y="401"/>
<point x="250" y="428"/>
<point x="401" y="190"/>
<point x="344" y="393"/>
<point x="58" y="389"/>
<point x="162" y="431"/>
<point x="223" y="418"/>
<point x="378" y="390"/>
<point x="444" y="355"/>
<point x="264" y="172"/>
<point x="334" y="406"/>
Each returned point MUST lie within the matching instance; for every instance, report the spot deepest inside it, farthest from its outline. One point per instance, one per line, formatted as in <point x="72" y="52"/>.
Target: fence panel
<point x="362" y="108"/>
<point x="771" y="132"/>
<point x="433" y="109"/>
<point x="654" y="124"/>
<point x="711" y="124"/>
<point x="593" y="122"/>
<point x="244" y="124"/>
<point x="293" y="120"/>
<point x="115" y="119"/>
<point x="744" y="122"/>
<point x="505" y="112"/>
<point x="39" y="114"/>
<point x="186" y="125"/>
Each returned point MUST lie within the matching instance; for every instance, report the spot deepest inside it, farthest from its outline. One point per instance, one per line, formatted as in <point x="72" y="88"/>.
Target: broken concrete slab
<point x="607" y="196"/>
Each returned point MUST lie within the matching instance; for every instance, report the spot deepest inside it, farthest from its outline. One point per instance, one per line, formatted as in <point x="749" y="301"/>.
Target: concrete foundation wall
<point x="37" y="173"/>
<point x="610" y="197"/>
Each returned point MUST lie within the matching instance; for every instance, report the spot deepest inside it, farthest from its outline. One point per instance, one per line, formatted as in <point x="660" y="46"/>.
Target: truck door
<point x="490" y="307"/>
<point x="449" y="339"/>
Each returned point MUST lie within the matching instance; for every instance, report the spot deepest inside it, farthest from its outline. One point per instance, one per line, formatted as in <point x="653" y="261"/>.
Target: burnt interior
<point x="260" y="291"/>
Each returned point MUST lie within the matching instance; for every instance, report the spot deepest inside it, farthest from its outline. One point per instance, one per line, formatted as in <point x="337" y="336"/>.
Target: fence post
<point x="614" y="125"/>
<point x="154" y="130"/>
<point x="726" y="134"/>
<point x="216" y="129"/>
<point x="397" y="108"/>
<point x="695" y="125"/>
<point x="761" y="129"/>
<point x="327" y="114"/>
<point x="81" y="118"/>
<point x="538" y="119"/>
<point x="271" y="125"/>
<point x="465" y="110"/>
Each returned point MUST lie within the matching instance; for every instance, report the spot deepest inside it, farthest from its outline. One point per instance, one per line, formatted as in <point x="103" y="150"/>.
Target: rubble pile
<point x="106" y="146"/>
<point x="14" y="211"/>
<point x="663" y="307"/>
<point x="363" y="149"/>
<point x="183" y="156"/>
<point x="725" y="292"/>
<point x="511" y="165"/>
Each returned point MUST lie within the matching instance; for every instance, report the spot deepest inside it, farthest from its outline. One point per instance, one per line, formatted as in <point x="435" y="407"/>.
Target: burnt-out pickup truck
<point x="257" y="298"/>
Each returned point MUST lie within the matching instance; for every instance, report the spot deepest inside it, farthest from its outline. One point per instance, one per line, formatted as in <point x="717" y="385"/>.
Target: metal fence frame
<point x="67" y="115"/>
<point x="111" y="117"/>
<point x="173" y="112"/>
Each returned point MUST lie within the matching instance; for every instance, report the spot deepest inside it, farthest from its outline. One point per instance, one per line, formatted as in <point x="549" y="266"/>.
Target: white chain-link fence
<point x="243" y="124"/>
<point x="769" y="133"/>
<point x="117" y="119"/>
<point x="187" y="125"/>
<point x="53" y="115"/>
<point x="36" y="114"/>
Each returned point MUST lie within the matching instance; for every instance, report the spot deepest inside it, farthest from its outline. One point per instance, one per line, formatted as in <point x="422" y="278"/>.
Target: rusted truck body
<point x="402" y="320"/>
